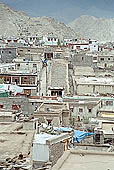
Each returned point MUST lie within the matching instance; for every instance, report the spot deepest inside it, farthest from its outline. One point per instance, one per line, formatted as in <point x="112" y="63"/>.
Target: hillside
<point x="94" y="28"/>
<point x="13" y="23"/>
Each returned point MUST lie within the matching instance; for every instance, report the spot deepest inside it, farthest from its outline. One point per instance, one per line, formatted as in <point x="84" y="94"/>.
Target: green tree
<point x="59" y="43"/>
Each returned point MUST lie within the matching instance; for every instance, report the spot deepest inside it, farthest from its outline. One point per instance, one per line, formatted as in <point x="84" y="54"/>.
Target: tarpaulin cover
<point x="80" y="135"/>
<point x="11" y="87"/>
<point x="63" y="129"/>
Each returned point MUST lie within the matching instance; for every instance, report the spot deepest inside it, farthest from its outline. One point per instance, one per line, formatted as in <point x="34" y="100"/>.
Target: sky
<point x="64" y="10"/>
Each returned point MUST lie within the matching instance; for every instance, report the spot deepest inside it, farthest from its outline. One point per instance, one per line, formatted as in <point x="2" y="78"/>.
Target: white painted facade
<point x="86" y="109"/>
<point x="40" y="152"/>
<point x="4" y="68"/>
<point x="89" y="45"/>
<point x="50" y="40"/>
<point x="40" y="148"/>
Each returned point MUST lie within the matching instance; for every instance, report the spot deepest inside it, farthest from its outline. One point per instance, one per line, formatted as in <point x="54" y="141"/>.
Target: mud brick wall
<point x="55" y="152"/>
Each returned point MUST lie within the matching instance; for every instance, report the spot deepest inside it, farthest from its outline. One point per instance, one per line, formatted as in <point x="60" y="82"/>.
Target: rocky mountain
<point x="14" y="23"/>
<point x="95" y="28"/>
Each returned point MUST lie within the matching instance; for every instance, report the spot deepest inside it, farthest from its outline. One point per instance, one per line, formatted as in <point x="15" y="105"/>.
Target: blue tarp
<point x="63" y="129"/>
<point x="45" y="60"/>
<point x="80" y="135"/>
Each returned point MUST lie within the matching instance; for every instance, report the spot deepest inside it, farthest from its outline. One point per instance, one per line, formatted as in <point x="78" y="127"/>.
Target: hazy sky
<point x="64" y="10"/>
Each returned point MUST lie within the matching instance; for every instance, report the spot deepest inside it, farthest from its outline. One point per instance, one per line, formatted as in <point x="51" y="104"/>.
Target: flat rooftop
<point x="13" y="142"/>
<point x="95" y="81"/>
<point x="80" y="161"/>
<point x="88" y="162"/>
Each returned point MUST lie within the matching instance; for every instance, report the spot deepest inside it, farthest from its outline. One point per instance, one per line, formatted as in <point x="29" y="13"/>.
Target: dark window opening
<point x="1" y="106"/>
<point x="97" y="138"/>
<point x="56" y="93"/>
<point x="109" y="103"/>
<point x="102" y="59"/>
<point x="89" y="110"/>
<point x="80" y="110"/>
<point x="49" y="122"/>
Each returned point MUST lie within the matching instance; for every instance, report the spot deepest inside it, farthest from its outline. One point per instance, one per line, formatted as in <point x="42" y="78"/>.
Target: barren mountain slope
<point x="14" y="23"/>
<point x="94" y="28"/>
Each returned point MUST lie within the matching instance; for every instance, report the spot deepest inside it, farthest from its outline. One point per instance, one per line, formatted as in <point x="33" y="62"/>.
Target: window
<point x="108" y="58"/>
<point x="109" y="103"/>
<point x="9" y="52"/>
<point x="89" y="110"/>
<point x="49" y="122"/>
<point x="94" y="58"/>
<point x="82" y="58"/>
<point x="28" y="50"/>
<point x="15" y="107"/>
<point x="48" y="39"/>
<point x="1" y="106"/>
<point x="18" y="65"/>
<point x="80" y="110"/>
<point x="97" y="138"/>
<point x="34" y="65"/>
<point x="102" y="59"/>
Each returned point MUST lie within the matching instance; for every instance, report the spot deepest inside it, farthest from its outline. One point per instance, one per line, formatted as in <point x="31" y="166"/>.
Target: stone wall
<point x="8" y="54"/>
<point x="82" y="60"/>
<point x="25" y="106"/>
<point x="55" y="152"/>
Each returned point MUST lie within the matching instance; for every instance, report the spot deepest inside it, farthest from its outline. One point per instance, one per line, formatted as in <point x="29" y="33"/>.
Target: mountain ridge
<point x="15" y="23"/>
<point x="92" y="27"/>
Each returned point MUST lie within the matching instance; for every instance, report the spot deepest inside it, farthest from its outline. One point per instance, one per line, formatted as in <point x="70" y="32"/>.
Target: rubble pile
<point x="16" y="163"/>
